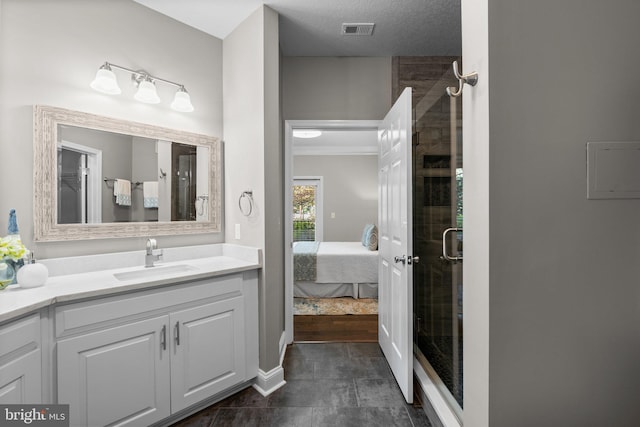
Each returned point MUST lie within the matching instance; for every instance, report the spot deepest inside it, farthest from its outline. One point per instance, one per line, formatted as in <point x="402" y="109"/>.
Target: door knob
<point x="413" y="259"/>
<point x="401" y="259"/>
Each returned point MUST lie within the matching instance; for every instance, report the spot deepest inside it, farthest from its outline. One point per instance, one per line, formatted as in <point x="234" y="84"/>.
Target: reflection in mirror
<point x="183" y="188"/>
<point x="108" y="173"/>
<point x="93" y="163"/>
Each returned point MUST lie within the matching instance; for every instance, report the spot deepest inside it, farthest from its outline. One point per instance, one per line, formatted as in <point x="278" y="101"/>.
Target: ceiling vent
<point x="357" y="29"/>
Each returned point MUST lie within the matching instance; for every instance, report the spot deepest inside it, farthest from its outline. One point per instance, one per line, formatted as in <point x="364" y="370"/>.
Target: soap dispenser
<point x="32" y="274"/>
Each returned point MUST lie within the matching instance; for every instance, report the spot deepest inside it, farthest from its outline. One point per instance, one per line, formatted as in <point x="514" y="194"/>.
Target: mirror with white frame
<point x="99" y="177"/>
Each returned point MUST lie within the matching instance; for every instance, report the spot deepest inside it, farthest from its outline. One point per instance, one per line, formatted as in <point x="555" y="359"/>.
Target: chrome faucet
<point x="153" y="253"/>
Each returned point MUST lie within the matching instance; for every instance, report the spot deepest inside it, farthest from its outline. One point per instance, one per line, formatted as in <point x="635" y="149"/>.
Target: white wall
<point x="563" y="341"/>
<point x="336" y="88"/>
<point x="50" y="52"/>
<point x="252" y="156"/>
<point x="476" y="214"/>
<point x="350" y="190"/>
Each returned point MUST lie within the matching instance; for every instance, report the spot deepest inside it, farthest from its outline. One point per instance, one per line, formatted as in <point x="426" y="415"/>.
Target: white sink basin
<point x="154" y="272"/>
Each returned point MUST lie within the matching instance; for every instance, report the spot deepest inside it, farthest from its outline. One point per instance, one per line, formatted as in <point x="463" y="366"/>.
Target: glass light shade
<point x="106" y="82"/>
<point x="182" y="101"/>
<point x="147" y="92"/>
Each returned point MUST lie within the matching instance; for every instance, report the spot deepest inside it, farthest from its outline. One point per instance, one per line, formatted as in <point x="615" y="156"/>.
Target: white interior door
<point x="395" y="281"/>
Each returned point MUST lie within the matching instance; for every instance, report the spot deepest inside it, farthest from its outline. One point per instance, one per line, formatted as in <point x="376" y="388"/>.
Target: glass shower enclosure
<point x="437" y="238"/>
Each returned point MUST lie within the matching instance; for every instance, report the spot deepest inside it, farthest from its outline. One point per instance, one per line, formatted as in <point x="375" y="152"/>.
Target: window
<point x="307" y="209"/>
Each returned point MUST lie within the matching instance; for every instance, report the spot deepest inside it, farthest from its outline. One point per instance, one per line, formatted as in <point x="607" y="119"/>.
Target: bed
<point x="335" y="269"/>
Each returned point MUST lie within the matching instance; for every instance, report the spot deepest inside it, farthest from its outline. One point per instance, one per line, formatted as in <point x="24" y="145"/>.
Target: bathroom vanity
<point x="133" y="345"/>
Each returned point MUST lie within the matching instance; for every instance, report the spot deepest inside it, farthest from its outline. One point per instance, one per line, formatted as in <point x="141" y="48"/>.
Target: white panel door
<point x="395" y="293"/>
<point x="208" y="351"/>
<point x="116" y="376"/>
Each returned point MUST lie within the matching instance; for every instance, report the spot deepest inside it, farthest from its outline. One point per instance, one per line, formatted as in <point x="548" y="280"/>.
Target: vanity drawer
<point x="87" y="315"/>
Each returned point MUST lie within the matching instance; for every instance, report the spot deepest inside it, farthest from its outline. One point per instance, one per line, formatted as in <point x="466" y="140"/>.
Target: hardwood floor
<point x="339" y="328"/>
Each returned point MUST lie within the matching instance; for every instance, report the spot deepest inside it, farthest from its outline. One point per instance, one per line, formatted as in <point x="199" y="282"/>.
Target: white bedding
<point x="343" y="269"/>
<point x="346" y="262"/>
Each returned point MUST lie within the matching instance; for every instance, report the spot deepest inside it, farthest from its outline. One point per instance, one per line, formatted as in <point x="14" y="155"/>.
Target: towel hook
<point x="471" y="79"/>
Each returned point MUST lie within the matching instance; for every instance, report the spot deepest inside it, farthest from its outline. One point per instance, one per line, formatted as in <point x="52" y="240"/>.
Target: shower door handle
<point x="445" y="254"/>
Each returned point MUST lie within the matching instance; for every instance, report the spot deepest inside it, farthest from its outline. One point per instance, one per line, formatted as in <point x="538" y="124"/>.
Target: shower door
<point x="437" y="236"/>
<point x="72" y="187"/>
<point x="183" y="182"/>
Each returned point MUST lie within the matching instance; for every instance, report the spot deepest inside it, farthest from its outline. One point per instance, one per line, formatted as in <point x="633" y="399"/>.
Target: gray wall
<point x="331" y="88"/>
<point x="563" y="287"/>
<point x="50" y="52"/>
<point x="253" y="162"/>
<point x="350" y="189"/>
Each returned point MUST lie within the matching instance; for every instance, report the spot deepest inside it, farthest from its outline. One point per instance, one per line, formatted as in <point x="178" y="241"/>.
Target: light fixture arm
<point x="143" y="74"/>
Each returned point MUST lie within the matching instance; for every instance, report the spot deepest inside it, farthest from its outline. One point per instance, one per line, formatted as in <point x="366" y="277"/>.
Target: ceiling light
<point x="306" y="133"/>
<point x="106" y="82"/>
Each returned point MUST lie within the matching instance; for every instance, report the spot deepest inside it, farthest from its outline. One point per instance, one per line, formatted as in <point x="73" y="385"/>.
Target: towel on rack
<point x="150" y="194"/>
<point x="122" y="191"/>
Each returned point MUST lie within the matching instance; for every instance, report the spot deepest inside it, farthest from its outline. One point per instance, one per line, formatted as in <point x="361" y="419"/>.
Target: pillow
<point x="372" y="242"/>
<point x="365" y="233"/>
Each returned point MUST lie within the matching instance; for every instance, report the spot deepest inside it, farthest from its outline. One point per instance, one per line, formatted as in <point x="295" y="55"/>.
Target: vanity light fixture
<point x="147" y="91"/>
<point x="182" y="101"/>
<point x="106" y="82"/>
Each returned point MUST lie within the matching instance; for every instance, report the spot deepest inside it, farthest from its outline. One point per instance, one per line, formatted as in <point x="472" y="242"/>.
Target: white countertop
<point x="92" y="276"/>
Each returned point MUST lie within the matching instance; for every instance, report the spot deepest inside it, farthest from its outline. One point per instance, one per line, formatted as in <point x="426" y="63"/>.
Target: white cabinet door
<point x="208" y="351"/>
<point x="117" y="376"/>
<point x="20" y="362"/>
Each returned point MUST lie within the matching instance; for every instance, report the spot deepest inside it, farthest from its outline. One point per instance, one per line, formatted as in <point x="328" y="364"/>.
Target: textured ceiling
<point x="312" y="27"/>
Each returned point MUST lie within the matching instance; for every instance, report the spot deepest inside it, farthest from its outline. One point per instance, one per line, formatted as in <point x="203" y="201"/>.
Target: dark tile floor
<point x="328" y="384"/>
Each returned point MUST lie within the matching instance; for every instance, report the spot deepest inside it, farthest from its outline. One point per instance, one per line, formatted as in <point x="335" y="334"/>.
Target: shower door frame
<point x="93" y="212"/>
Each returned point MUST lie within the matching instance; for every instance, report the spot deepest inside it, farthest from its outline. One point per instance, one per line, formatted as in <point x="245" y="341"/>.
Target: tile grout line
<point x="215" y="417"/>
<point x="409" y="415"/>
<point x="355" y="387"/>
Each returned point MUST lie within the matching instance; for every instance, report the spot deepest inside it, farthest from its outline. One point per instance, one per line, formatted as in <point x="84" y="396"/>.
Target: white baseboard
<point x="268" y="382"/>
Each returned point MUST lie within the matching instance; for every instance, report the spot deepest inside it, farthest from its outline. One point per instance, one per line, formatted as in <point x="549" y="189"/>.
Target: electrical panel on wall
<point x="613" y="170"/>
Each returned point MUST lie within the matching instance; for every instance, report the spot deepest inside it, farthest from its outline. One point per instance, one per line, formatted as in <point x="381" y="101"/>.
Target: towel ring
<point x="249" y="196"/>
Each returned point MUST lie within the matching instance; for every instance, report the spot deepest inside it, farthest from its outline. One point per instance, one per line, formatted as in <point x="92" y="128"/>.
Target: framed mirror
<point x="98" y="177"/>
